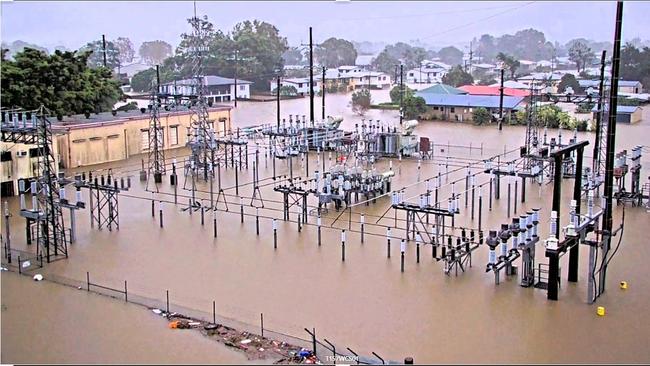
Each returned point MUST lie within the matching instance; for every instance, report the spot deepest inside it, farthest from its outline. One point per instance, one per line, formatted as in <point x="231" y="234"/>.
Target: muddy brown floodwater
<point x="364" y="303"/>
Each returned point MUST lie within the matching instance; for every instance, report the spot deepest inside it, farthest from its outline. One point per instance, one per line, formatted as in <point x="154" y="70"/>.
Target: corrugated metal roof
<point x="211" y="80"/>
<point x="442" y="89"/>
<point x="493" y="90"/>
<point x="486" y="101"/>
<point x="625" y="109"/>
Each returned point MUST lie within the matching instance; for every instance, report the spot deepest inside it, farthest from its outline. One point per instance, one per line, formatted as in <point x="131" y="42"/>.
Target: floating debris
<point x="38" y="277"/>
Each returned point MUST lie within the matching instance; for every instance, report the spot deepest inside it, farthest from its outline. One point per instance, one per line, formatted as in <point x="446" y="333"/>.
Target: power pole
<point x="277" y="92"/>
<point x="401" y="93"/>
<point x="311" y="78"/>
<point x="323" y="92"/>
<point x="501" y="101"/>
<point x="611" y="142"/>
<point x="104" y="48"/>
<point x="236" y="67"/>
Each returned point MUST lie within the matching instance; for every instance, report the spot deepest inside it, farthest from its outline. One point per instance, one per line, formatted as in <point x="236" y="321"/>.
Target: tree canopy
<point x="451" y="55"/>
<point x="361" y="101"/>
<point x="569" y="81"/>
<point x="154" y="52"/>
<point x="635" y="64"/>
<point x="335" y="52"/>
<point x="581" y="54"/>
<point x="509" y="63"/>
<point x="125" y="48"/>
<point x="398" y="53"/>
<point x="62" y="82"/>
<point x="96" y="56"/>
<point x="457" y="77"/>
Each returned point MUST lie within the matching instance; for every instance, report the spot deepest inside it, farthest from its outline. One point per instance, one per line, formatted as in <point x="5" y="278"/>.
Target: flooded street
<point x="364" y="303"/>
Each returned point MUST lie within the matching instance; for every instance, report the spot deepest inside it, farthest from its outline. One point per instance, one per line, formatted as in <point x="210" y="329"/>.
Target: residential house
<point x="493" y="90"/>
<point x="548" y="81"/>
<point x="217" y="88"/>
<point x="526" y="66"/>
<point x="356" y="78"/>
<point x="512" y="84"/>
<point x="301" y="85"/>
<point x="435" y="64"/>
<point x="625" y="114"/>
<point x="458" y="107"/>
<point x="425" y="75"/>
<point x="443" y="89"/>
<point x="624" y="86"/>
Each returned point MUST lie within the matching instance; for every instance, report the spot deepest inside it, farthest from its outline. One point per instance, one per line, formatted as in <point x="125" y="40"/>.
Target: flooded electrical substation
<point x="364" y="302"/>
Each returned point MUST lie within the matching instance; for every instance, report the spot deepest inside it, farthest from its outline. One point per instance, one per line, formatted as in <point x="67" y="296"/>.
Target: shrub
<point x="481" y="116"/>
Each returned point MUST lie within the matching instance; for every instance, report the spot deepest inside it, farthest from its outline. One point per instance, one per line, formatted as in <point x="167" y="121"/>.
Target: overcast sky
<point x="74" y="23"/>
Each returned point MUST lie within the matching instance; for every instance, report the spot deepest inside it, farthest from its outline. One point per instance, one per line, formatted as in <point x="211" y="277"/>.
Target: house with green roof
<point x="442" y="89"/>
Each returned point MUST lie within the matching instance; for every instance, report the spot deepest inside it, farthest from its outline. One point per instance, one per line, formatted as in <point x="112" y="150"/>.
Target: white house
<point x="425" y="75"/>
<point x="346" y="69"/>
<point x="218" y="89"/>
<point x="301" y="85"/>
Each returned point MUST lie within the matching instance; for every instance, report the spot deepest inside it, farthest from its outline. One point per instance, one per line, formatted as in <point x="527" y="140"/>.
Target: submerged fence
<point x="324" y="349"/>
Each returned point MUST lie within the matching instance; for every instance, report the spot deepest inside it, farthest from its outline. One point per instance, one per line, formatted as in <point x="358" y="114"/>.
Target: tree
<point x="293" y="56"/>
<point x="18" y="46"/>
<point x="288" y="91"/>
<point x="395" y="93"/>
<point x="635" y="64"/>
<point x="481" y="116"/>
<point x="581" y="54"/>
<point x="413" y="106"/>
<point x="569" y="81"/>
<point x="451" y="55"/>
<point x="62" y="82"/>
<point x="384" y="62"/>
<point x="125" y="48"/>
<point x="457" y="77"/>
<point x="335" y="52"/>
<point x="155" y="52"/>
<point x="143" y="81"/>
<point x="361" y="101"/>
<point x="262" y="44"/>
<point x="509" y="63"/>
<point x="96" y="58"/>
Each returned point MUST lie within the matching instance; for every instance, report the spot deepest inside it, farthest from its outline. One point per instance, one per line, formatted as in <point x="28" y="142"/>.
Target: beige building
<point x="102" y="138"/>
<point x="19" y="161"/>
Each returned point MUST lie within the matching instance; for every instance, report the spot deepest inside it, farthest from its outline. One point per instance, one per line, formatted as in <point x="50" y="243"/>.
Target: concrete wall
<point x="19" y="164"/>
<point x="102" y="142"/>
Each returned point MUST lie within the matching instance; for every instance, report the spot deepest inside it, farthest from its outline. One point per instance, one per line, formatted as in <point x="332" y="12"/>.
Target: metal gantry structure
<point x="156" y="166"/>
<point x="201" y="135"/>
<point x="45" y="219"/>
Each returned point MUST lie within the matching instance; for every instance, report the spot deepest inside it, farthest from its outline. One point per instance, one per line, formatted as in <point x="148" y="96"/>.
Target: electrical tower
<point x="201" y="136"/>
<point x="156" y="166"/>
<point x="46" y="217"/>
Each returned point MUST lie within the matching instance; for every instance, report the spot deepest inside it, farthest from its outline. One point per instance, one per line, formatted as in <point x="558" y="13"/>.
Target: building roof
<point x="210" y="80"/>
<point x="511" y="84"/>
<point x="541" y="76"/>
<point x="80" y="121"/>
<point x="486" y="101"/>
<point x="364" y="60"/>
<point x="347" y="67"/>
<point x="596" y="83"/>
<point x="621" y="109"/>
<point x="493" y="90"/>
<point x="442" y="89"/>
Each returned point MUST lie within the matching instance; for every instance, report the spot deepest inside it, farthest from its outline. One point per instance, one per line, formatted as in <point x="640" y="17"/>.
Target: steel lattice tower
<point x="201" y="137"/>
<point x="156" y="166"/>
<point x="52" y="227"/>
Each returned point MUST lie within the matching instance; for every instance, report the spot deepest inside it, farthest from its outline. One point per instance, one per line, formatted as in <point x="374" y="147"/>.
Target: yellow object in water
<point x="601" y="311"/>
<point x="623" y="285"/>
